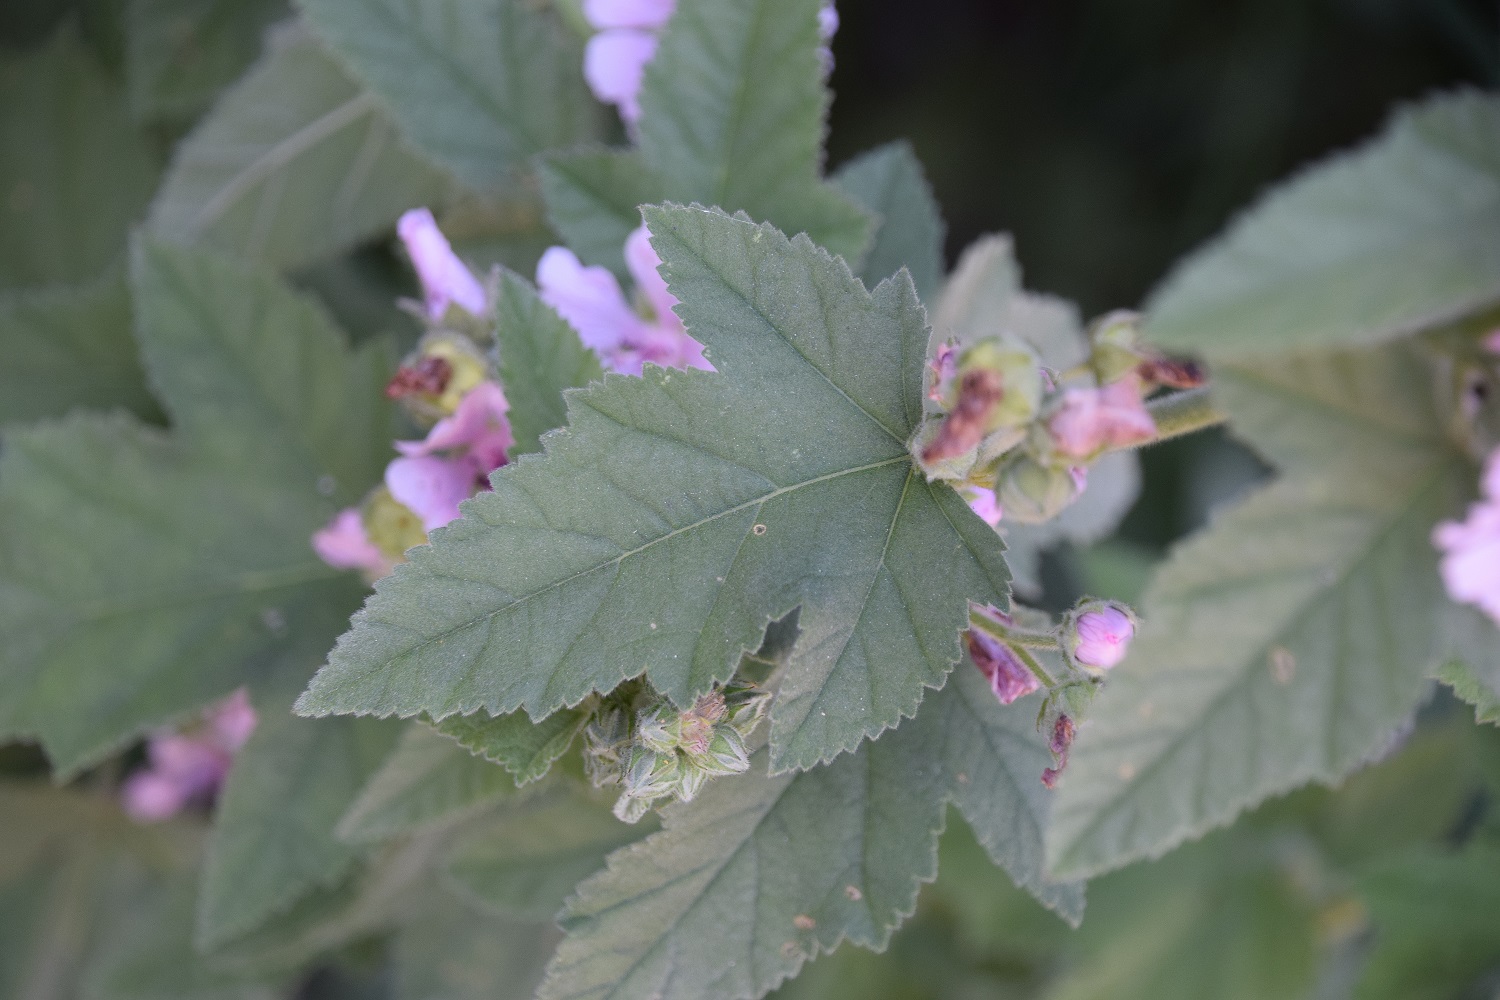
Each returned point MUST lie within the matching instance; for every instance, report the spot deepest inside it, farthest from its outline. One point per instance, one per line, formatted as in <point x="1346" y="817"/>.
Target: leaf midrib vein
<point x="621" y="557"/>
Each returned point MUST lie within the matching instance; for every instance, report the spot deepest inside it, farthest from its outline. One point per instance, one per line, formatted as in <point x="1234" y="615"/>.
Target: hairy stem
<point x="1183" y="413"/>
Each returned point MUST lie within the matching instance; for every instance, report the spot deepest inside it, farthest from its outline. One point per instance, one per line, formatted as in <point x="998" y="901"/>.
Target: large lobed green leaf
<point x="294" y="163"/>
<point x="144" y="573"/>
<point x="1289" y="640"/>
<point x="762" y="873"/>
<point x="683" y="511"/>
<point x="180" y="53"/>
<point x="75" y="171"/>
<point x="1394" y="237"/>
<point x="67" y="347"/>
<point x="481" y="85"/>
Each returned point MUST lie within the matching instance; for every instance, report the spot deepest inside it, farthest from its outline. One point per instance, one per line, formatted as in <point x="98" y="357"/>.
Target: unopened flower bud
<point x="655" y="733"/>
<point x="744" y="706"/>
<point x="434" y="379"/>
<point x="390" y="525"/>
<point x="1032" y="493"/>
<point x="1114" y="341"/>
<point x="995" y="387"/>
<point x="651" y="775"/>
<point x="1008" y="676"/>
<point x="1098" y="634"/>
<point x="1091" y="421"/>
<point x="725" y="754"/>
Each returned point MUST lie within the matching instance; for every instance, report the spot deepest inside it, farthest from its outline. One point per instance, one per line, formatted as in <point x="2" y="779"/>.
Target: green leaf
<point x="180" y="53"/>
<point x="294" y="163"/>
<point x="759" y="874"/>
<point x="426" y="780"/>
<point x="1285" y="643"/>
<point x="1395" y="237"/>
<point x="1434" y="917"/>
<point x="273" y="839"/>
<point x="70" y="347"/>
<point x="454" y="953"/>
<point x="657" y="536"/>
<point x="1473" y="642"/>
<point x="1226" y="920"/>
<point x="481" y="85"/>
<point x="909" y="225"/>
<point x="733" y="114"/>
<point x="594" y="200"/>
<point x="143" y="574"/>
<point x="528" y="862"/>
<point x="525" y="749"/>
<point x="540" y="356"/>
<point x="75" y="172"/>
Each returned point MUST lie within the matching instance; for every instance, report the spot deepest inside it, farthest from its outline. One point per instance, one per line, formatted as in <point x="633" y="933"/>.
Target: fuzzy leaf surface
<point x="481" y="85"/>
<point x="426" y="779"/>
<point x="1286" y="642"/>
<point x="909" y="229"/>
<point x="761" y="873"/>
<point x="75" y="169"/>
<point x="524" y="748"/>
<point x="273" y="840"/>
<point x="540" y="356"/>
<point x="1398" y="235"/>
<point x="144" y="573"/>
<point x="70" y="347"/>
<point x="294" y="163"/>
<point x="1473" y="665"/>
<point x="594" y="199"/>
<point x="180" y="53"/>
<point x="683" y="511"/>
<point x="733" y="114"/>
<point x="529" y="861"/>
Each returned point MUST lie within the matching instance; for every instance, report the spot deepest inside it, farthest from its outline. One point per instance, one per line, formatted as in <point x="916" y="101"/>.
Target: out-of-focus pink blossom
<point x="1091" y="420"/>
<point x="1471" y="548"/>
<point x="1103" y="637"/>
<point x="344" y="544"/>
<point x="1008" y="676"/>
<point x="982" y="502"/>
<point x="454" y="461"/>
<point x="590" y="299"/>
<point x="445" y="279"/>
<point x="1492" y="341"/>
<point x="187" y="768"/>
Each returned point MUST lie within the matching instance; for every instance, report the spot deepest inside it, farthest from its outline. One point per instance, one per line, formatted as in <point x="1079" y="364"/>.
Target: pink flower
<point x="614" y="62"/>
<point x="445" y="279"/>
<point x="1471" y="549"/>
<point x="1102" y="637"/>
<point x="185" y="768"/>
<point x="1492" y="341"/>
<point x="344" y="544"/>
<point x="454" y="461"/>
<point x="1092" y="420"/>
<point x="1009" y="678"/>
<point x="982" y="502"/>
<point x="590" y="299"/>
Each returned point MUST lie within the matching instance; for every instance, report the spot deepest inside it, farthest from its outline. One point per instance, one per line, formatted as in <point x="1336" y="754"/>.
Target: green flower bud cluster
<point x="656" y="752"/>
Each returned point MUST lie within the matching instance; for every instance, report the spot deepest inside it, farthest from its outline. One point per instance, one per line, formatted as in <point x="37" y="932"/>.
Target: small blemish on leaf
<point x="274" y="621"/>
<point x="790" y="950"/>
<point x="1283" y="665"/>
<point x="803" y="922"/>
<point x="653" y="625"/>
<point x="961" y="778"/>
<point x="759" y="529"/>
<point x="853" y="893"/>
<point x="1126" y="772"/>
<point x="326" y="486"/>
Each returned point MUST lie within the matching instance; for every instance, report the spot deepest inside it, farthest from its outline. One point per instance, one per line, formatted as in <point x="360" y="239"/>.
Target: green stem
<point x="1017" y="640"/>
<point x="1183" y="413"/>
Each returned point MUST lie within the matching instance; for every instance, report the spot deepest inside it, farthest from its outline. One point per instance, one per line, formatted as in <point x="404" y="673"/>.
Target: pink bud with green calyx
<point x="1114" y="345"/>
<point x="994" y="392"/>
<point x="1088" y="422"/>
<point x="1097" y="635"/>
<point x="434" y="379"/>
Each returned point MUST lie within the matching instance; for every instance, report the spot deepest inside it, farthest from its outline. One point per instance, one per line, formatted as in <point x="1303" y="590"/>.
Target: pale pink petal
<point x="1090" y="420"/>
<point x="1492" y="341"/>
<point x="430" y="487"/>
<point x="589" y="298"/>
<point x="477" y="432"/>
<point x="1470" y="565"/>
<point x="445" y="279"/>
<point x="1490" y="482"/>
<point x="343" y="544"/>
<point x="668" y="346"/>
<point x="828" y="22"/>
<point x="148" y="797"/>
<point x="983" y="502"/>
<point x="614" y="65"/>
<point x="233" y="720"/>
<point x="1103" y="637"/>
<point x="648" y="14"/>
<point x="1008" y="677"/>
<point x="641" y="259"/>
<point x="197" y="767"/>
